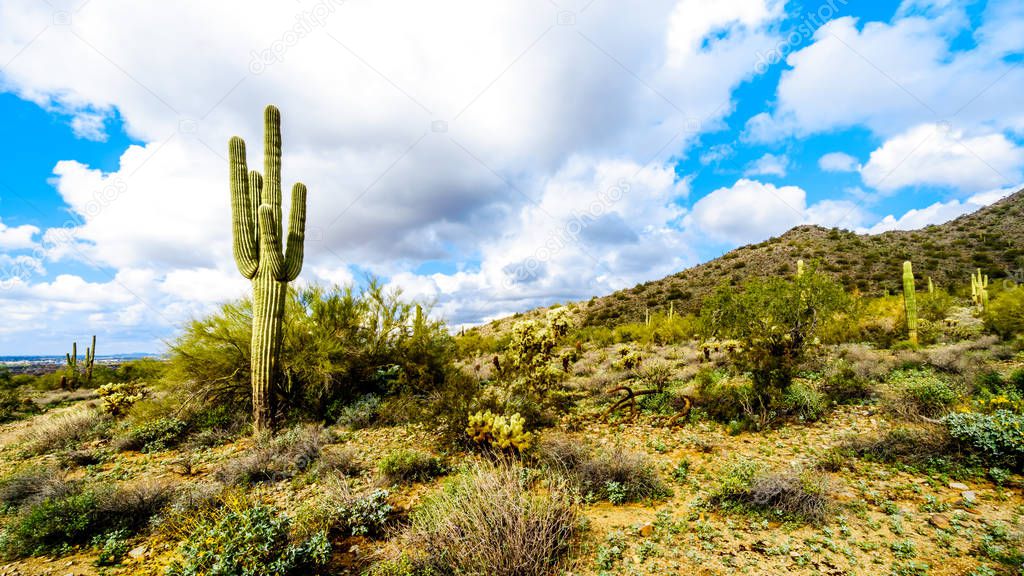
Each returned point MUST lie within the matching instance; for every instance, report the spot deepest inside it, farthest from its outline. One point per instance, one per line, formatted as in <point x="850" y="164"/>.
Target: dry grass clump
<point x="865" y="362"/>
<point x="489" y="520"/>
<point x="63" y="430"/>
<point x="30" y="485"/>
<point x="906" y="444"/>
<point x="799" y="495"/>
<point x="274" y="459"/>
<point x="616" y="475"/>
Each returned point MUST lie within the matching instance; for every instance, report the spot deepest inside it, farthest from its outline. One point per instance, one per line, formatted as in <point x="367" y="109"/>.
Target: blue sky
<point x="487" y="158"/>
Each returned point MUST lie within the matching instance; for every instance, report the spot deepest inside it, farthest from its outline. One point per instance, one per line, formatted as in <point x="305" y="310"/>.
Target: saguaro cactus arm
<point x="296" y="233"/>
<point x="271" y="260"/>
<point x="243" y="198"/>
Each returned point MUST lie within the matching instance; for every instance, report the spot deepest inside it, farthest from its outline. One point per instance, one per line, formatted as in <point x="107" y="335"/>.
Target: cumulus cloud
<point x="890" y="76"/>
<point x="937" y="155"/>
<point x="838" y="162"/>
<point x="17" y="237"/>
<point x="751" y="211"/>
<point x="768" y="165"/>
<point x="939" y="212"/>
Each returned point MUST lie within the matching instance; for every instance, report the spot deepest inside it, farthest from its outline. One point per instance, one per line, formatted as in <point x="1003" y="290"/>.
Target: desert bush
<point x="1005" y="314"/>
<point x="842" y="383"/>
<point x="724" y="398"/>
<point x="805" y="402"/>
<point x="334" y="510"/>
<point x="775" y="320"/>
<point x="616" y="475"/>
<point x="338" y="345"/>
<point x="921" y="392"/>
<point x="70" y="428"/>
<point x="274" y="459"/>
<point x="362" y="413"/>
<point x="405" y="466"/>
<point x="996" y="436"/>
<point x="76" y="513"/>
<point x="488" y="521"/>
<point x="923" y="444"/>
<point x="13" y="406"/>
<point x="154" y="436"/>
<point x="804" y="495"/>
<point x="247" y="540"/>
<point x="31" y="483"/>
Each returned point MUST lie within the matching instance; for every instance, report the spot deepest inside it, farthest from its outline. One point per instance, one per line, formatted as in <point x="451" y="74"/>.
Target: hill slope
<point x="991" y="239"/>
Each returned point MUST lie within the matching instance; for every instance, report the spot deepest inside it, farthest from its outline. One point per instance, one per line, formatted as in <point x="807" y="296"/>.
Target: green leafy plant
<point x="401" y="466"/>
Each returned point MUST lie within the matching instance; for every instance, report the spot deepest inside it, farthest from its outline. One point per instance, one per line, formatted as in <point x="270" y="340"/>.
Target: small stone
<point x="958" y="486"/>
<point x="970" y="498"/>
<point x="646" y="530"/>
<point x="138" y="551"/>
<point x="939" y="521"/>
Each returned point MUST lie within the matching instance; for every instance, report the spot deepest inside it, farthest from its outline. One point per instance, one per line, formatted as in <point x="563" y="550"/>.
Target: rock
<point x="646" y="530"/>
<point x="939" y="521"/>
<point x="138" y="552"/>
<point x="970" y="498"/>
<point x="958" y="486"/>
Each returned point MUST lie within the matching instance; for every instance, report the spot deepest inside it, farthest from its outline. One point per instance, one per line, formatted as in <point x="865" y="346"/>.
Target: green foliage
<point x="775" y="320"/>
<point x="13" y="406"/>
<point x="922" y="392"/>
<point x="403" y="466"/>
<point x="804" y="496"/>
<point x="339" y="345"/>
<point x="615" y="474"/>
<point x="248" y="541"/>
<point x="155" y="436"/>
<point x="723" y="397"/>
<point x="805" y="402"/>
<point x="111" y="547"/>
<point x="999" y="435"/>
<point x="335" y="511"/>
<point x="1005" y="315"/>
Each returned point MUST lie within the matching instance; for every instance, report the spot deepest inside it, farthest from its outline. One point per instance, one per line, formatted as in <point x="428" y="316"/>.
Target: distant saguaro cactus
<point x="72" y="377"/>
<point x="979" y="289"/>
<point x="256" y="228"/>
<point x="910" y="302"/>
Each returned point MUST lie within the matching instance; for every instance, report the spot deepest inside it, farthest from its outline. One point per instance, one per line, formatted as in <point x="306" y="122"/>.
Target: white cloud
<point x="892" y="76"/>
<point x="768" y="165"/>
<point x="444" y="155"/>
<point x="939" y="212"/>
<point x="752" y="211"/>
<point x="936" y="155"/>
<point x="17" y="237"/>
<point x="838" y="162"/>
<point x="90" y="126"/>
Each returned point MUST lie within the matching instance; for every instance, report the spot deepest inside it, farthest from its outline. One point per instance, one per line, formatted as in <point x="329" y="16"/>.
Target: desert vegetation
<point x="786" y="424"/>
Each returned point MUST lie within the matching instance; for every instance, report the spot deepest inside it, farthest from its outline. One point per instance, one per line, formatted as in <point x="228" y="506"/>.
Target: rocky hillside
<point x="991" y="239"/>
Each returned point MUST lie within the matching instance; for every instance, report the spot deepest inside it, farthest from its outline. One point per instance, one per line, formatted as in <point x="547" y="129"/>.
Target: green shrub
<point x="842" y="384"/>
<point x="247" y="541"/>
<point x="155" y="436"/>
<point x="805" y="496"/>
<point x="722" y="397"/>
<point x="111" y="547"/>
<point x="274" y="459"/>
<point x="1005" y="314"/>
<point x="334" y="510"/>
<point x="999" y="435"/>
<point x="922" y="392"/>
<point x="13" y="406"/>
<point x="616" y="475"/>
<point x="805" y="402"/>
<point x="362" y="413"/>
<point x="404" y="466"/>
<point x="776" y="320"/>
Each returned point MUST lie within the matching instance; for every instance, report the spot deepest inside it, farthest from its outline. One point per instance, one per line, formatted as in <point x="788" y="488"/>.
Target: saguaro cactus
<point x="910" y="302"/>
<point x="979" y="289"/>
<point x="72" y="376"/>
<point x="256" y="227"/>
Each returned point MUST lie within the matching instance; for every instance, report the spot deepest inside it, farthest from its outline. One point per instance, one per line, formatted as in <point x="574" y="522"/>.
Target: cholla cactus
<point x="979" y="290"/>
<point x="262" y="257"/>
<point x="910" y="301"/>
<point x="118" y="397"/>
<point x="499" y="432"/>
<point x="531" y="348"/>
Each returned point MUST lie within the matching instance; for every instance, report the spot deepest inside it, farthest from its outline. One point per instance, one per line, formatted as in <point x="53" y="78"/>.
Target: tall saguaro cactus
<point x="979" y="289"/>
<point x="262" y="257"/>
<point x="910" y="302"/>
